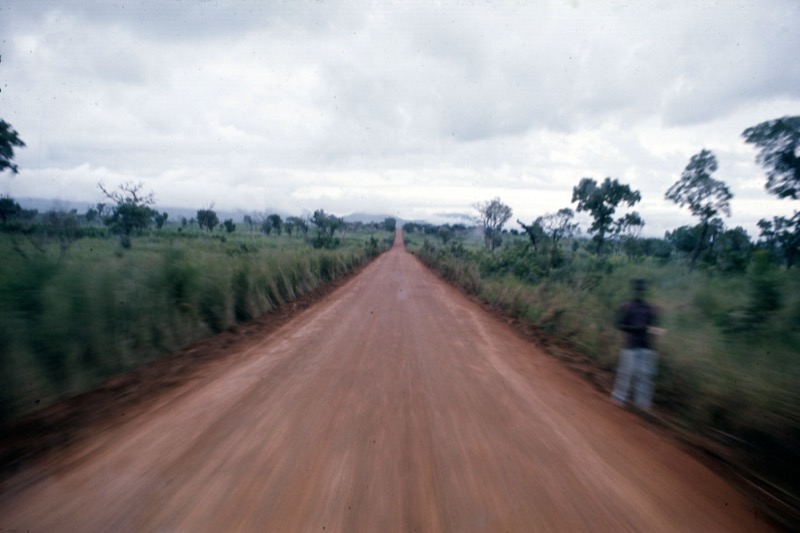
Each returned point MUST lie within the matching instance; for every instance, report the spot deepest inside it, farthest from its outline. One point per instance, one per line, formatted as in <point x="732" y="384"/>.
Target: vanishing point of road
<point x="393" y="404"/>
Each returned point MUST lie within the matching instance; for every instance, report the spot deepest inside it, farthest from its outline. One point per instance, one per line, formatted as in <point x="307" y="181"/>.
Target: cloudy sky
<point x="414" y="109"/>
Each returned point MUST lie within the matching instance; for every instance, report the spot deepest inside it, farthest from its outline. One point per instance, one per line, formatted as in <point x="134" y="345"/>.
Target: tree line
<point x="777" y="142"/>
<point x="706" y="197"/>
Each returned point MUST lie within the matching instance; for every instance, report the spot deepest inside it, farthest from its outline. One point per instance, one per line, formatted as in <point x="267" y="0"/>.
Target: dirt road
<point x="395" y="404"/>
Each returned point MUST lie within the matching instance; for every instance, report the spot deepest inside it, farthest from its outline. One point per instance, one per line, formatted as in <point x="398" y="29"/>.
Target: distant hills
<point x="176" y="213"/>
<point x="367" y="218"/>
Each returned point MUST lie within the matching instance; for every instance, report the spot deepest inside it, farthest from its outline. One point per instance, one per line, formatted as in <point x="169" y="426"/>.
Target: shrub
<point x="71" y="318"/>
<point x="765" y="295"/>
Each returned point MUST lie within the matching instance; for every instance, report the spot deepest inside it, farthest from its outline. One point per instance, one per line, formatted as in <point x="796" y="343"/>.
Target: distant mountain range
<point x="176" y="213"/>
<point x="366" y="218"/>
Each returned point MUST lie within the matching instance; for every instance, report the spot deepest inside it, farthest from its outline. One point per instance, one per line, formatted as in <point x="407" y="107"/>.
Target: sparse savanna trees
<point x="276" y="223"/>
<point x="326" y="225"/>
<point x="9" y="209"/>
<point x="601" y="202"/>
<point x="548" y="230"/>
<point x="492" y="215"/>
<point x="705" y="196"/>
<point x="298" y="225"/>
<point x="9" y="139"/>
<point x="131" y="212"/>
<point x="207" y="218"/>
<point x="778" y="142"/>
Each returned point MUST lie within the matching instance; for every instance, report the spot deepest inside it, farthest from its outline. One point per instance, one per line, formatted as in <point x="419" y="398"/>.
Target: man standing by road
<point x="638" y="361"/>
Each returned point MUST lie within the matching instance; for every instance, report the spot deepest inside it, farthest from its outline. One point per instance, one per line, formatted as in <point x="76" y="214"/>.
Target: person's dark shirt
<point x="634" y="318"/>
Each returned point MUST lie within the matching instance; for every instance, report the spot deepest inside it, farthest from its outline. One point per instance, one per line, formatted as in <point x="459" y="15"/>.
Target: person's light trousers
<point x="637" y="368"/>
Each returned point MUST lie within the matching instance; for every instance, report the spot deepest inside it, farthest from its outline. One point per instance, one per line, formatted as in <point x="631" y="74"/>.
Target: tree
<point x="559" y="225"/>
<point x="601" y="202"/>
<point x="779" y="151"/>
<point x="390" y="224"/>
<point x="629" y="226"/>
<point x="326" y="226"/>
<point x="61" y="226"/>
<point x="289" y="226"/>
<point x="160" y="219"/>
<point x="266" y="226"/>
<point x="207" y="218"/>
<point x="276" y="223"/>
<point x="295" y="224"/>
<point x="684" y="238"/>
<point x="131" y="212"/>
<point x="779" y="144"/>
<point x="9" y="139"/>
<point x="705" y="196"/>
<point x="535" y="233"/>
<point x="229" y="226"/>
<point x="492" y="215"/>
<point x="733" y="250"/>
<point x="445" y="233"/>
<point x="549" y="229"/>
<point x="91" y="215"/>
<point x="248" y="219"/>
<point x="9" y="209"/>
<point x="782" y="237"/>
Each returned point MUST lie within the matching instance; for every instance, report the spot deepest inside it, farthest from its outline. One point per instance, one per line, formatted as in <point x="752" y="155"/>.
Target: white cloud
<point x="407" y="109"/>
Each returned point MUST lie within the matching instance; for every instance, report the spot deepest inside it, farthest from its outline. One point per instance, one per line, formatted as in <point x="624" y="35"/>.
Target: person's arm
<point x="653" y="328"/>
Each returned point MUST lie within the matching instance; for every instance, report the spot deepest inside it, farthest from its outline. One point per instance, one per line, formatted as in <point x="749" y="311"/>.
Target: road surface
<point x="394" y="404"/>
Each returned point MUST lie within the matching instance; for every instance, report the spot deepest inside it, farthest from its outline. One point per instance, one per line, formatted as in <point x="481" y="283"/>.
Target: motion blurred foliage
<point x="728" y="365"/>
<point x="76" y="307"/>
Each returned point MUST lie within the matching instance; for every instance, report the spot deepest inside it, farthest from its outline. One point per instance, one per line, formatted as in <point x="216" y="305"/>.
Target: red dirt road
<point x="394" y="404"/>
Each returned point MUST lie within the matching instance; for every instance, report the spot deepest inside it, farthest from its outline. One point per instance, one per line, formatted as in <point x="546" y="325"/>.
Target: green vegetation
<point x="77" y="306"/>
<point x="704" y="195"/>
<point x="492" y="216"/>
<point x="728" y="365"/>
<point x="9" y="139"/>
<point x="601" y="202"/>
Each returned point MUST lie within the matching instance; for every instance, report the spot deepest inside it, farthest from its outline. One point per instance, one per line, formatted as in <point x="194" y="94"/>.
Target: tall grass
<point x="729" y="364"/>
<point x="69" y="320"/>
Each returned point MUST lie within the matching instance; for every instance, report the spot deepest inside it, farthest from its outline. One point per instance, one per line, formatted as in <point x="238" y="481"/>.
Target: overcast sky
<point x="413" y="109"/>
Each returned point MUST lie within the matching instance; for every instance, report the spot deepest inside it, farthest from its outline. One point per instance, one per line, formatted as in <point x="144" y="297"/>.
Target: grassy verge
<point x="69" y="319"/>
<point x="728" y="364"/>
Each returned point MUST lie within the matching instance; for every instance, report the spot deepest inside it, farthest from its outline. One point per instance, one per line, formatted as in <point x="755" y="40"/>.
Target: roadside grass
<point x="71" y="319"/>
<point x="728" y="365"/>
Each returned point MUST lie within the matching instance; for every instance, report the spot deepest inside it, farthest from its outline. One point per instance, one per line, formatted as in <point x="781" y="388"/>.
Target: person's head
<point x="639" y="287"/>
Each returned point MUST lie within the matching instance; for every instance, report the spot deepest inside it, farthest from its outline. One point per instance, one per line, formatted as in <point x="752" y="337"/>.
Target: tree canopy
<point x="326" y="226"/>
<point x="207" y="218"/>
<point x="558" y="225"/>
<point x="601" y="202"/>
<point x="131" y="212"/>
<point x="781" y="236"/>
<point x="492" y="215"/>
<point x="778" y="142"/>
<point x="9" y="208"/>
<point x="705" y="195"/>
<point x="9" y="139"/>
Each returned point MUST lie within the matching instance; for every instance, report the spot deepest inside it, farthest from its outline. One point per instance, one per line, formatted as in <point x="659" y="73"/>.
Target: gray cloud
<point x="413" y="108"/>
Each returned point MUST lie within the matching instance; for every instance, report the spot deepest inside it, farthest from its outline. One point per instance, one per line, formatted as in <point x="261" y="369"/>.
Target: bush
<point x="71" y="318"/>
<point x="728" y="365"/>
<point x="765" y="295"/>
